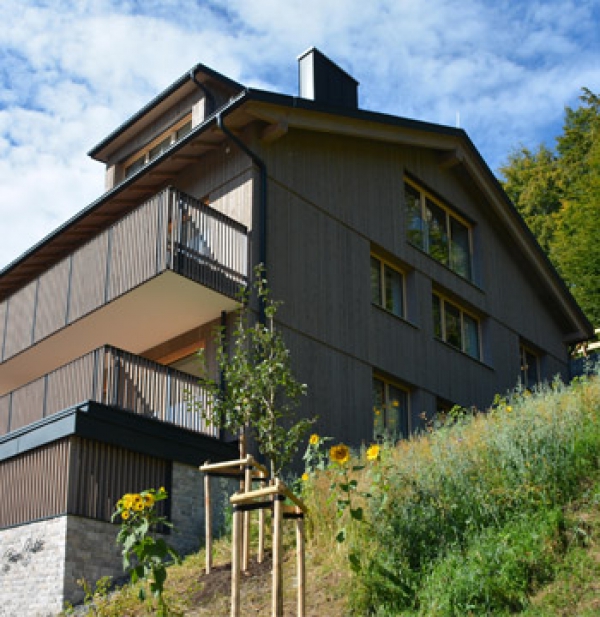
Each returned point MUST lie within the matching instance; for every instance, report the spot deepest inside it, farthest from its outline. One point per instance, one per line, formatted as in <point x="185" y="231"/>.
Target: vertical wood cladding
<point x="74" y="476"/>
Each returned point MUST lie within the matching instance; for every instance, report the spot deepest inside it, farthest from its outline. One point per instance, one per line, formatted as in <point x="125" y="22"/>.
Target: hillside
<point x="494" y="513"/>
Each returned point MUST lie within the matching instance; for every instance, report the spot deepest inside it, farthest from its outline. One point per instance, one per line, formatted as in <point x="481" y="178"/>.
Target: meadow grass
<point x="470" y="518"/>
<point x="491" y="513"/>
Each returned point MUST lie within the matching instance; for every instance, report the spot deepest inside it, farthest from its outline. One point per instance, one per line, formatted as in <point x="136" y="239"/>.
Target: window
<point x="390" y="409"/>
<point x="530" y="367"/>
<point x="435" y="229"/>
<point x="157" y="146"/>
<point x="387" y="287"/>
<point x="456" y="327"/>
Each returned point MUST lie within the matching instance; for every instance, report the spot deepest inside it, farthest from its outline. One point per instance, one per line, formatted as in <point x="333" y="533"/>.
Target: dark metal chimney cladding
<point x="323" y="81"/>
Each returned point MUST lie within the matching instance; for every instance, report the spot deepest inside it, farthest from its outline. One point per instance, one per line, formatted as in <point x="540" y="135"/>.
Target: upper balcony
<point x="170" y="265"/>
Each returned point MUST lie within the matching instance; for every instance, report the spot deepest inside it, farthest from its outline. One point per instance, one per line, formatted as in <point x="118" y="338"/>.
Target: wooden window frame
<point x="524" y="351"/>
<point x="387" y="404"/>
<point x="443" y="301"/>
<point x="382" y="292"/>
<point x="450" y="216"/>
<point x="143" y="154"/>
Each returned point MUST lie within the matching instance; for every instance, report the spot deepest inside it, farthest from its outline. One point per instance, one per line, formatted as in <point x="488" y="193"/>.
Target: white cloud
<point x="73" y="70"/>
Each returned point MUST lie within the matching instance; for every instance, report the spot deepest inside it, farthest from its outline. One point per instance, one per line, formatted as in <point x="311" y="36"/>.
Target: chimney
<point x="323" y="81"/>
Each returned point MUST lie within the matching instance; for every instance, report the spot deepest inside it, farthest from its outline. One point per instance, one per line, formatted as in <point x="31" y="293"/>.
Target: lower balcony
<point x="116" y="379"/>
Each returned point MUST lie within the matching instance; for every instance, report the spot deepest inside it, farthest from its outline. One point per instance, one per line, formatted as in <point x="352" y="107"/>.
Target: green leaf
<point x="356" y="514"/>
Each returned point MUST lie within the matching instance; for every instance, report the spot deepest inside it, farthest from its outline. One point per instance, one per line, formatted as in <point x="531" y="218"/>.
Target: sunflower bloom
<point x="314" y="439"/>
<point x="125" y="515"/>
<point x="373" y="452"/>
<point x="148" y="500"/>
<point x="339" y="454"/>
<point x="127" y="501"/>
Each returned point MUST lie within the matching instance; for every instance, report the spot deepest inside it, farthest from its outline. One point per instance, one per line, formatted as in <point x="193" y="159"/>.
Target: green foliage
<point x="259" y="389"/>
<point x="144" y="554"/>
<point x="469" y="518"/>
<point x="557" y="193"/>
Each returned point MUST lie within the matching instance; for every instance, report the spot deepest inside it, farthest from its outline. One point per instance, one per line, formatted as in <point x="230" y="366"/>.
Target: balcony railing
<point x="171" y="231"/>
<point x="113" y="377"/>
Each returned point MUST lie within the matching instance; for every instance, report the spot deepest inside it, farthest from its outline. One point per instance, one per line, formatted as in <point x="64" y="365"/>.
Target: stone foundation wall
<point x="41" y="562"/>
<point x="32" y="563"/>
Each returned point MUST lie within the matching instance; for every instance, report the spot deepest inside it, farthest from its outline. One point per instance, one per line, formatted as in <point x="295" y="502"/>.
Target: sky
<point x="71" y="71"/>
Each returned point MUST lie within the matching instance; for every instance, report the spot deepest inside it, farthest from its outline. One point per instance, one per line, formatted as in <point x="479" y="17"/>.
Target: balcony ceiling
<point x="162" y="308"/>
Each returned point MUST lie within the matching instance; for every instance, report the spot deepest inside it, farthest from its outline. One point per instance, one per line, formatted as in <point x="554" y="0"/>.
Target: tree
<point x="258" y="389"/>
<point x="531" y="182"/>
<point x="558" y="195"/>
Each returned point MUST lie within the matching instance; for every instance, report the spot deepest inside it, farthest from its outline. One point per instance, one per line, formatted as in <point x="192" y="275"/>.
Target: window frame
<point x="382" y="412"/>
<point x="441" y="329"/>
<point x="143" y="156"/>
<point x="382" y="302"/>
<point x="422" y="231"/>
<point x="525" y="351"/>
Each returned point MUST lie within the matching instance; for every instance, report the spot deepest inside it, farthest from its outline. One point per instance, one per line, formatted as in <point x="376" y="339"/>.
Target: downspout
<point x="207" y="93"/>
<point x="262" y="202"/>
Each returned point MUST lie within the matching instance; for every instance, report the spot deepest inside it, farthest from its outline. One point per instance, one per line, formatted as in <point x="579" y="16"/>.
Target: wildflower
<point x="508" y="409"/>
<point x="305" y="477"/>
<point x="127" y="501"/>
<point x="314" y="439"/>
<point x="339" y="454"/>
<point x="125" y="515"/>
<point x="373" y="452"/>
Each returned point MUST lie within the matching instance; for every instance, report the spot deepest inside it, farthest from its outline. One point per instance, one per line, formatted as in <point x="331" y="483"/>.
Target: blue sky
<point x="73" y="70"/>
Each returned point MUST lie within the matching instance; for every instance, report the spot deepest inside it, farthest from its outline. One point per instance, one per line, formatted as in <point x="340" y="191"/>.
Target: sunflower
<point x="148" y="500"/>
<point x="314" y="439"/>
<point x="125" y="515"/>
<point x="339" y="454"/>
<point x="127" y="501"/>
<point x="373" y="452"/>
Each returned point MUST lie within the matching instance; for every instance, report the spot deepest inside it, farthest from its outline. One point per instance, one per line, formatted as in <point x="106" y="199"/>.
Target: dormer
<point x="167" y="119"/>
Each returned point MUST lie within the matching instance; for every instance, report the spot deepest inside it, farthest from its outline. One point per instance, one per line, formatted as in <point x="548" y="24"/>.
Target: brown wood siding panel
<point x="34" y="485"/>
<point x="4" y="413"/>
<point x="27" y="404"/>
<point x="133" y="251"/>
<point x="72" y="383"/>
<point x="88" y="279"/>
<point x="19" y="327"/>
<point x="103" y="473"/>
<point x="3" y="308"/>
<point x="51" y="312"/>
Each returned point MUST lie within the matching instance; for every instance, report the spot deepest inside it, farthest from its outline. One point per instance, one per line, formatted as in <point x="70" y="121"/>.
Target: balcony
<point x="170" y="265"/>
<point x="111" y="377"/>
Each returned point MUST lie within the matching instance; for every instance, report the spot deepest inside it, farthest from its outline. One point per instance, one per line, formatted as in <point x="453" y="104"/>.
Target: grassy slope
<point x="575" y="578"/>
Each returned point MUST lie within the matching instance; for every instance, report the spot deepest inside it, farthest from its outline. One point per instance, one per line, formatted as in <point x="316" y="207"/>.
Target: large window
<point x="455" y="326"/>
<point x="530" y="366"/>
<point x="387" y="287"/>
<point x="390" y="409"/>
<point x="435" y="229"/>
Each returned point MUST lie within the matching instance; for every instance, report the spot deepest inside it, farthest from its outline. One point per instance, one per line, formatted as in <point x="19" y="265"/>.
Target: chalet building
<point x="409" y="284"/>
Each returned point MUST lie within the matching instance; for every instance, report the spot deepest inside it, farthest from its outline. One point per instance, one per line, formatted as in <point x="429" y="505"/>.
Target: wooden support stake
<point x="261" y="530"/>
<point x="207" y="523"/>
<point x="246" y="546"/>
<point x="300" y="567"/>
<point x="277" y="598"/>
<point x="236" y="542"/>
